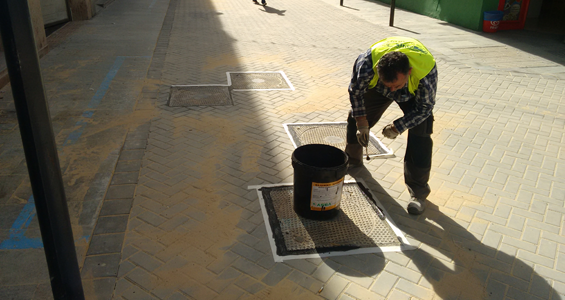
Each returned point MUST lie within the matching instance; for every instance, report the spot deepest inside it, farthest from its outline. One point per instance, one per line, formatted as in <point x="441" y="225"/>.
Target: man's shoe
<point x="255" y="1"/>
<point x="264" y="3"/>
<point x="416" y="206"/>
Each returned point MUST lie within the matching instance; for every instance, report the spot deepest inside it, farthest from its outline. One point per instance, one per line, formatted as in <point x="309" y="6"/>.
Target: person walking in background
<point x="263" y="2"/>
<point x="402" y="70"/>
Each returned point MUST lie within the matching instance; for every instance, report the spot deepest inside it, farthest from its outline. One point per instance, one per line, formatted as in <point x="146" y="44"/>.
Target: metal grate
<point x="333" y="134"/>
<point x="356" y="226"/>
<point x="259" y="81"/>
<point x="199" y="95"/>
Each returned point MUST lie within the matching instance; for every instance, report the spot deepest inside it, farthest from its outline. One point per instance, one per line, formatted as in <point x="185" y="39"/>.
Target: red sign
<point x="515" y="12"/>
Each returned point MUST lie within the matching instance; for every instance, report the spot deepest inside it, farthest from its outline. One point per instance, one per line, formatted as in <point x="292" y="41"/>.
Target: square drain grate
<point x="333" y="134"/>
<point x="356" y="229"/>
<point x="199" y="95"/>
<point x="250" y="81"/>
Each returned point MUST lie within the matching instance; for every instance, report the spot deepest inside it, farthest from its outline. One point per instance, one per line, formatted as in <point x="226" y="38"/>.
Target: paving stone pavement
<point x="496" y="200"/>
<point x="494" y="229"/>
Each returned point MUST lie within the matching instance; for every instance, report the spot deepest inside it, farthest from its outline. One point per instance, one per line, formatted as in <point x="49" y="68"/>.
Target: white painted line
<point x="397" y="231"/>
<point x="287" y="81"/>
<point x="290" y="88"/>
<point x="191" y="85"/>
<point x="405" y="244"/>
<point x="289" y="135"/>
<point x="276" y="257"/>
<point x="256" y="187"/>
<point x="388" y="152"/>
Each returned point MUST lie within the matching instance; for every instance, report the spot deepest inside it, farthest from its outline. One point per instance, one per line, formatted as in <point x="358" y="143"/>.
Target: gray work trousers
<point x="418" y="157"/>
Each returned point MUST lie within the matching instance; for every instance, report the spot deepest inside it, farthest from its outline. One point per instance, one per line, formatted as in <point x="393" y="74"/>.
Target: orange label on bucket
<point x="326" y="196"/>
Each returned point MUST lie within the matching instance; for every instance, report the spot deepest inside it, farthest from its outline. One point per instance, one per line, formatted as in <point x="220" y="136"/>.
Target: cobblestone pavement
<point x="177" y="220"/>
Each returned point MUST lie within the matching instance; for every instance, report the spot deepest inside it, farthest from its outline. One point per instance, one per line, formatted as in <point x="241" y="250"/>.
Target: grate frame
<point x="336" y="137"/>
<point x="255" y="81"/>
<point x="200" y="95"/>
<point x="294" y="237"/>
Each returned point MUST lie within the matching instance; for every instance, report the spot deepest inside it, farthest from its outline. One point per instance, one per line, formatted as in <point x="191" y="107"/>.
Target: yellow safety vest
<point x="421" y="60"/>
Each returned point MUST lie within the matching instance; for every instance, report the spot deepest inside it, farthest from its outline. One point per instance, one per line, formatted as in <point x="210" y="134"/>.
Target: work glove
<point x="390" y="132"/>
<point x="363" y="134"/>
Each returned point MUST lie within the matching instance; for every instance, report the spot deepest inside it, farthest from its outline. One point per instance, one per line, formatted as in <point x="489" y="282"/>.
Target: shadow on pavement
<point x="271" y="10"/>
<point x="349" y="7"/>
<point x="368" y="267"/>
<point x="547" y="45"/>
<point x="414" y="32"/>
<point x="454" y="261"/>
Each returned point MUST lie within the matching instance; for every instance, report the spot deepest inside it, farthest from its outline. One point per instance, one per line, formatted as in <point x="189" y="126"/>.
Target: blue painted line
<point x="18" y="243"/>
<point x="17" y="239"/>
<point x="75" y="135"/>
<point x="25" y="215"/>
<point x="95" y="101"/>
<point x="101" y="92"/>
<point x="88" y="114"/>
<point x="81" y="124"/>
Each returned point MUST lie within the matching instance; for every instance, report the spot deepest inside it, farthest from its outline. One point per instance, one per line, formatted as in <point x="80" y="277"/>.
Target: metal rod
<point x="392" y="7"/>
<point x="40" y="149"/>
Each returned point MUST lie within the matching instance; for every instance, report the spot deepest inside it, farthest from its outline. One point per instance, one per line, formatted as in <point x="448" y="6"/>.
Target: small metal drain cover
<point x="200" y="95"/>
<point x="247" y="81"/>
<point x="333" y="134"/>
<point x="356" y="229"/>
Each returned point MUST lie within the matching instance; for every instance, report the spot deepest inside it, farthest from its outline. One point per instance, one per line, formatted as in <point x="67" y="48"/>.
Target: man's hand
<point x="390" y="131"/>
<point x="363" y="134"/>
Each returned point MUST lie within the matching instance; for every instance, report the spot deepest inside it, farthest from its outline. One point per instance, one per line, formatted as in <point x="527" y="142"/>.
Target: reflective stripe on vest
<point x="421" y="60"/>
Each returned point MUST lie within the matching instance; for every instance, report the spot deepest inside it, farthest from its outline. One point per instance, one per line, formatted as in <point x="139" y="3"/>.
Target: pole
<point x="392" y="7"/>
<point x="340" y="2"/>
<point x="40" y="149"/>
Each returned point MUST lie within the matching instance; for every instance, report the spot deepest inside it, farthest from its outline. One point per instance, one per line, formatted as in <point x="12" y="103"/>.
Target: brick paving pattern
<point x="194" y="230"/>
<point x="200" y="161"/>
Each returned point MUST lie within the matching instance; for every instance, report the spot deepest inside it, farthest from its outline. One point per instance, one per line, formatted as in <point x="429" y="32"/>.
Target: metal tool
<point x="367" y="152"/>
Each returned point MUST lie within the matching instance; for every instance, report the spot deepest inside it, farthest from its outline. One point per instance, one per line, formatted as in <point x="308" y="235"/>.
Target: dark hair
<point x="390" y="64"/>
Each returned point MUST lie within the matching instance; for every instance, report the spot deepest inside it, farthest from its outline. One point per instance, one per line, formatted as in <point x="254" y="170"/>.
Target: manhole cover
<point x="200" y="95"/>
<point x="333" y="134"/>
<point x="356" y="229"/>
<point x="259" y="81"/>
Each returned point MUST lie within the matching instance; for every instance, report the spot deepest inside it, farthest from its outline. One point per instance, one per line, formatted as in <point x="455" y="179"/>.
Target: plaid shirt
<point x="425" y="95"/>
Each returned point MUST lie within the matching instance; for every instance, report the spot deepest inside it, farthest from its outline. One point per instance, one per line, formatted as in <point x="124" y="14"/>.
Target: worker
<point x="402" y="70"/>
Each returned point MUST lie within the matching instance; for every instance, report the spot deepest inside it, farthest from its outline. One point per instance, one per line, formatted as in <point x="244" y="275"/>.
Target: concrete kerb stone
<point x="101" y="266"/>
<point x="125" y="178"/>
<point x="111" y="224"/>
<point x="105" y="244"/>
<point x="103" y="256"/>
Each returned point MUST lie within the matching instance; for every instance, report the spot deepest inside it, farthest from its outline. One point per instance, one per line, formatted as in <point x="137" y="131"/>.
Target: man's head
<point x="394" y="68"/>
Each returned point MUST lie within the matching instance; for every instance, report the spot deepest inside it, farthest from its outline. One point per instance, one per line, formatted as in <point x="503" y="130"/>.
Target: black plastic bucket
<point x="319" y="171"/>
